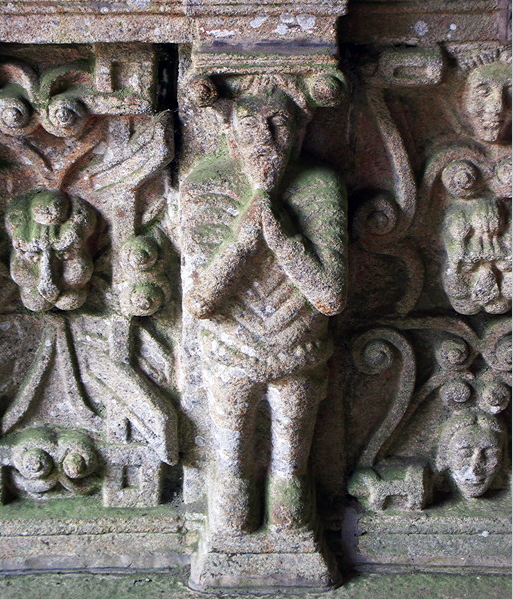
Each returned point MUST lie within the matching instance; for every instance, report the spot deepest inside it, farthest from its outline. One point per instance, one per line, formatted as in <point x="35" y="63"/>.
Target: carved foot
<point x="289" y="502"/>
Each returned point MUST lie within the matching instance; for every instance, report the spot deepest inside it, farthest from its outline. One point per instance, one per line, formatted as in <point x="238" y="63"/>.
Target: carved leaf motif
<point x="133" y="395"/>
<point x="54" y="343"/>
<point x="135" y="158"/>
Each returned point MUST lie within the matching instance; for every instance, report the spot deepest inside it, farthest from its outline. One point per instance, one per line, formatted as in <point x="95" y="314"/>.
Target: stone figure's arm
<point x="217" y="278"/>
<point x="314" y="259"/>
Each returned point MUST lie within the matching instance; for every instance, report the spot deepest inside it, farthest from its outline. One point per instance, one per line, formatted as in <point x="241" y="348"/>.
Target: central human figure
<point x="266" y="231"/>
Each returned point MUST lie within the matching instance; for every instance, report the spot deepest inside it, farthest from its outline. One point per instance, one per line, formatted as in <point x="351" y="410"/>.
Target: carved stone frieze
<point x="81" y="204"/>
<point x="254" y="288"/>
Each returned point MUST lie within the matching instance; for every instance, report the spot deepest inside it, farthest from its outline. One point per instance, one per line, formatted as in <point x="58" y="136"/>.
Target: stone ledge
<point x="81" y="534"/>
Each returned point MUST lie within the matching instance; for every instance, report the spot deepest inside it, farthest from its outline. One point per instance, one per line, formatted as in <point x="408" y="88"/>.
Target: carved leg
<point x="233" y="501"/>
<point x="293" y="402"/>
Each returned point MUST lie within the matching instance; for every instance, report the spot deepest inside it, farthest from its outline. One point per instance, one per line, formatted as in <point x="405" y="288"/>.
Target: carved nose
<point x="46" y="286"/>
<point x="476" y="465"/>
<point x="495" y="105"/>
<point x="486" y="288"/>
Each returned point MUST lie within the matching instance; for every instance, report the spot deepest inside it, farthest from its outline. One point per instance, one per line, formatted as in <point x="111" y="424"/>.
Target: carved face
<point x="50" y="262"/>
<point x="478" y="244"/>
<point x="474" y="459"/>
<point x="264" y="132"/>
<point x="488" y="100"/>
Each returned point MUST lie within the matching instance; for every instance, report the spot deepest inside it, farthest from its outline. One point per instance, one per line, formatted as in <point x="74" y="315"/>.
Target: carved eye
<point x="491" y="454"/>
<point x="280" y="120"/>
<point x="249" y="123"/>
<point x="465" y="452"/>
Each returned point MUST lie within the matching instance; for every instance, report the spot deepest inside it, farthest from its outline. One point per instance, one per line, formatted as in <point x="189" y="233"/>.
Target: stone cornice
<point x="205" y="22"/>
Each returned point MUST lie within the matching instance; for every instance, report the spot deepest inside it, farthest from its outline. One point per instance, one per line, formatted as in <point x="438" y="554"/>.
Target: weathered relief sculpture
<point x="268" y="226"/>
<point x="477" y="222"/>
<point x="87" y="255"/>
<point x="221" y="361"/>
<point x="471" y="452"/>
<point x="50" y="260"/>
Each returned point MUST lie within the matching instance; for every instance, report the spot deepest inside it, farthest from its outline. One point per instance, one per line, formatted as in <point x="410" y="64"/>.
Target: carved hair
<point x="473" y="60"/>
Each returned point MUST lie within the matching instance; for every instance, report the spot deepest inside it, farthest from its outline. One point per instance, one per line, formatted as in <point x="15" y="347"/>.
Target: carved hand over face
<point x="50" y="262"/>
<point x="478" y="268"/>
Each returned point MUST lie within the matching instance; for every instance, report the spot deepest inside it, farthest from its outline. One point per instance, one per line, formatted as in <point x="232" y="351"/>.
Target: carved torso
<point x="266" y="325"/>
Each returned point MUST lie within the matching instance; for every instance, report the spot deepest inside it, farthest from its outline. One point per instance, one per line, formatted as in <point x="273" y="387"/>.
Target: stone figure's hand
<point x="250" y="223"/>
<point x="273" y="230"/>
<point x="198" y="305"/>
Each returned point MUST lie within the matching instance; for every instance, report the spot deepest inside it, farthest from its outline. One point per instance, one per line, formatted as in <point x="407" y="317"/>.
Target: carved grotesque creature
<point x="477" y="241"/>
<point x="50" y="260"/>
<point x="470" y="452"/>
<point x="268" y="238"/>
<point x="488" y="101"/>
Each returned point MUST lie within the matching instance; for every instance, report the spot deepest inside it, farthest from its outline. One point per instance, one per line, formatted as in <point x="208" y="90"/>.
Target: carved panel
<point x="292" y="327"/>
<point x="82" y="198"/>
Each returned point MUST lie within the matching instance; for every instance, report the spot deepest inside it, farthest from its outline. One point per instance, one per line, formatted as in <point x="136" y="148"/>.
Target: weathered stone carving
<point x="471" y="452"/>
<point x="79" y="223"/>
<point x="285" y="405"/>
<point x="50" y="261"/>
<point x="270" y="227"/>
<point x="407" y="483"/>
<point x="43" y="458"/>
<point x="476" y="182"/>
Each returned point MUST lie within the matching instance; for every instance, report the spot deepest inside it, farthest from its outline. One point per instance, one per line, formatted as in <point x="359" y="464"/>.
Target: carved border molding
<point x="186" y="21"/>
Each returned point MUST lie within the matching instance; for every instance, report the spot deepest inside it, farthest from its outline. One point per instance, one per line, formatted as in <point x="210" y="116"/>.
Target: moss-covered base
<point x="173" y="585"/>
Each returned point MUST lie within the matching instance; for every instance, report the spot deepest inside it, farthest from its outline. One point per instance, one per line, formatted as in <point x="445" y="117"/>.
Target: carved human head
<point x="487" y="98"/>
<point x="471" y="451"/>
<point x="265" y="117"/>
<point x="263" y="131"/>
<point x="50" y="261"/>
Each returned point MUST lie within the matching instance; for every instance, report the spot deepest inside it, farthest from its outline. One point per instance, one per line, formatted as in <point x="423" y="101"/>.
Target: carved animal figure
<point x="409" y="480"/>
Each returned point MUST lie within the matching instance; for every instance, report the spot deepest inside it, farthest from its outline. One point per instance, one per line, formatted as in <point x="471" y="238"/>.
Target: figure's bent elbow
<point x="332" y="303"/>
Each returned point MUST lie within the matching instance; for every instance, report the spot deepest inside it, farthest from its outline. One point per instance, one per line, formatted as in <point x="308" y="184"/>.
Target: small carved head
<point x="487" y="100"/>
<point x="478" y="269"/>
<point x="265" y="117"/>
<point x="263" y="129"/>
<point x="471" y="451"/>
<point x="50" y="260"/>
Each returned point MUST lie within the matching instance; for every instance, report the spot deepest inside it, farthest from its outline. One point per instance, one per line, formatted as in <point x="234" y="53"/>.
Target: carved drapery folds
<point x="297" y="319"/>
